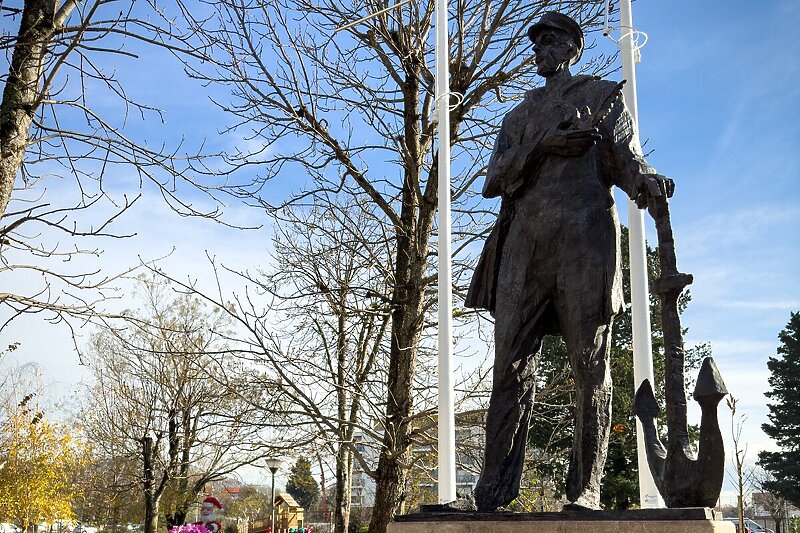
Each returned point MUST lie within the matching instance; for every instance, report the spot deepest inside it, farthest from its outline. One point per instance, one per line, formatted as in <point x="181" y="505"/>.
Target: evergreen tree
<point x="302" y="485"/>
<point x="784" y="416"/>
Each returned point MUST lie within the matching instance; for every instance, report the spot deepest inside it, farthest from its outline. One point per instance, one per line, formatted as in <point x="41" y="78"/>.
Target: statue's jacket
<point x="561" y="206"/>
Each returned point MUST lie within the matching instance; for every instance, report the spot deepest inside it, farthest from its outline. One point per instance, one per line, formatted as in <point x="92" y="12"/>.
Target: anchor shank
<point x="670" y="286"/>
<point x="677" y="425"/>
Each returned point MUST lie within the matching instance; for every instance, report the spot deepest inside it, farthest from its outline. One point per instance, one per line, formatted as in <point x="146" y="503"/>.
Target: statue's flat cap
<point x="559" y="21"/>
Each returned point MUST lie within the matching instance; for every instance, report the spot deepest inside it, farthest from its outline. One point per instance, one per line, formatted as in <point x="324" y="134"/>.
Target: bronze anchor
<point x="683" y="479"/>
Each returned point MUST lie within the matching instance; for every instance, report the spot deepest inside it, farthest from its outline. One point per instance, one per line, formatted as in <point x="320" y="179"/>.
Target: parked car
<point x="5" y="527"/>
<point x="750" y="526"/>
<point x="756" y="527"/>
<point x="736" y="523"/>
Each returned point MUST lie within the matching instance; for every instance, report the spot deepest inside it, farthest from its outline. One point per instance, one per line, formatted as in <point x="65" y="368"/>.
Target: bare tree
<point x="73" y="156"/>
<point x="156" y="399"/>
<point x="352" y="113"/>
<point x="775" y="505"/>
<point x="322" y="344"/>
<point x="743" y="474"/>
<point x="332" y="285"/>
<point x="109" y="498"/>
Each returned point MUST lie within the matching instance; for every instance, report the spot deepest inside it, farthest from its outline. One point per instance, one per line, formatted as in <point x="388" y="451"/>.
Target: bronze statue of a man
<point x="552" y="263"/>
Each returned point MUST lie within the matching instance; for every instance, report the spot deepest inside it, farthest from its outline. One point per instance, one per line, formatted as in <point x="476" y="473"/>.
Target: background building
<point x="469" y="458"/>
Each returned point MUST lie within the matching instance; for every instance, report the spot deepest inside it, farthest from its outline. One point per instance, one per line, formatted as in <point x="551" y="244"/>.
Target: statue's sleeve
<point x="627" y="160"/>
<point x="505" y="172"/>
<point x="499" y="162"/>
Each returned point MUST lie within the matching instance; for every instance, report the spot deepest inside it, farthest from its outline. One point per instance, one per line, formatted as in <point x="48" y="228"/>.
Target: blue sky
<point x="718" y="91"/>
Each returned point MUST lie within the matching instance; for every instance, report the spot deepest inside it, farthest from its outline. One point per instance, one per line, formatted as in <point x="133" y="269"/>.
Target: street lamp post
<point x="273" y="465"/>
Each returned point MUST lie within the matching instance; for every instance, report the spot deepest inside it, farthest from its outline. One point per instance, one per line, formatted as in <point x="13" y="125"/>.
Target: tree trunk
<point x="185" y="500"/>
<point x="150" y="513"/>
<point x="344" y="473"/>
<point x="178" y="518"/>
<point x="344" y="456"/>
<point x="408" y="302"/>
<point x="21" y="93"/>
<point x="151" y="499"/>
<point x="406" y="328"/>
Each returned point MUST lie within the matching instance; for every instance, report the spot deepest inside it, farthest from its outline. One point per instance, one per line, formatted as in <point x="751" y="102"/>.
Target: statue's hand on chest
<point x="565" y="130"/>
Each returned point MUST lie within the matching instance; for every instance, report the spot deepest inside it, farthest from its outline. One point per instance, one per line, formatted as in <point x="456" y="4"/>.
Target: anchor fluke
<point x="646" y="409"/>
<point x="710" y="388"/>
<point x="645" y="405"/>
<point x="708" y="392"/>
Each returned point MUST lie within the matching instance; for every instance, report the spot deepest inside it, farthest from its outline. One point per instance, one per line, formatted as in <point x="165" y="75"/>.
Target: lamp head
<point x="274" y="464"/>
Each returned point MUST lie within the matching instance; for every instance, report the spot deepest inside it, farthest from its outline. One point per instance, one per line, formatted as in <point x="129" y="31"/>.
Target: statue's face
<point x="553" y="51"/>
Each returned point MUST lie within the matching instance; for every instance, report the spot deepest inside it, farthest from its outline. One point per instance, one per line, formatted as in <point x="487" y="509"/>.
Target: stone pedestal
<point x="693" y="520"/>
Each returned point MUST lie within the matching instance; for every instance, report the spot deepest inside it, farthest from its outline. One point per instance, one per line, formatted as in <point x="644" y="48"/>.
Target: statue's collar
<point x="573" y="83"/>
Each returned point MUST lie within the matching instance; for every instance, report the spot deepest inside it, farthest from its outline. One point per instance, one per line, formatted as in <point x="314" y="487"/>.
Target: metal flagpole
<point x="447" y="440"/>
<point x="447" y="437"/>
<point x="640" y="301"/>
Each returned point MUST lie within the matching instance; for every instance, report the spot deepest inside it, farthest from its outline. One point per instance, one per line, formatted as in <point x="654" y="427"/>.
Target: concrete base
<point x="642" y="521"/>
<point x="683" y="526"/>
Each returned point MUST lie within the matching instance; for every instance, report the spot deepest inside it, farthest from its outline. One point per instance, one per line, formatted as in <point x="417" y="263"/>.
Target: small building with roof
<point x="288" y="513"/>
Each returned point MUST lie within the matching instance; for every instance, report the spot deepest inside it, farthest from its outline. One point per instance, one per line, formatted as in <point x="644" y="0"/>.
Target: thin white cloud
<point x="737" y="227"/>
<point x="736" y="347"/>
<point x="754" y="305"/>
